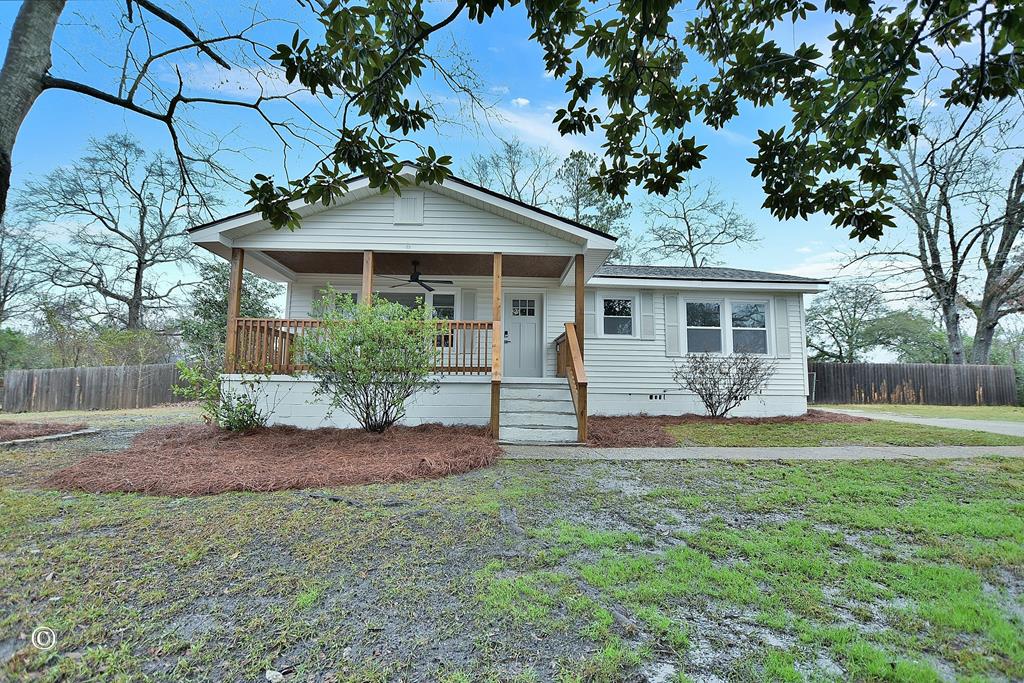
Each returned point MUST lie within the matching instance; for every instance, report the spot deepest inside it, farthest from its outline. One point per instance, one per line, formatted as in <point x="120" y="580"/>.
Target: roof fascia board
<point x="745" y="285"/>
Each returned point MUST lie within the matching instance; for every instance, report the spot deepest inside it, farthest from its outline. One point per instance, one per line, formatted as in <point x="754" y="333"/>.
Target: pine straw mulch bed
<point x="12" y="431"/>
<point x="647" y="431"/>
<point x="197" y="460"/>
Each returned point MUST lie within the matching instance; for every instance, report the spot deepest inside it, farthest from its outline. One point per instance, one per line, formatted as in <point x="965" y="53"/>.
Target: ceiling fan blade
<point x="393" y="277"/>
<point x="437" y="282"/>
<point x="401" y="284"/>
<point x="424" y="285"/>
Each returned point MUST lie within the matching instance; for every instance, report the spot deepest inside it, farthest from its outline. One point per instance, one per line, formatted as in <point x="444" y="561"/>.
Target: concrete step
<point x="539" y="435"/>
<point x="555" y="420"/>
<point x="516" y="405"/>
<point x="543" y="392"/>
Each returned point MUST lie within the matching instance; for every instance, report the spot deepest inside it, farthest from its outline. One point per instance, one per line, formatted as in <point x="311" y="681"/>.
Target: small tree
<point x="370" y="359"/>
<point x="723" y="382"/>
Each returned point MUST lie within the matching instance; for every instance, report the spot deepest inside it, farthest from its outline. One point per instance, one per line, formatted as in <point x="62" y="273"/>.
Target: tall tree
<point x="517" y="170"/>
<point x="19" y="280"/>
<point x="661" y="69"/>
<point x="960" y="189"/>
<point x="588" y="203"/>
<point x="127" y="211"/>
<point x="842" y="321"/>
<point x="694" y="223"/>
<point x="155" y="39"/>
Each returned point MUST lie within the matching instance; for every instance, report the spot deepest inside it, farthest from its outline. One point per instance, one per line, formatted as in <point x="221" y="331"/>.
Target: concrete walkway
<point x="993" y="426"/>
<point x="785" y="453"/>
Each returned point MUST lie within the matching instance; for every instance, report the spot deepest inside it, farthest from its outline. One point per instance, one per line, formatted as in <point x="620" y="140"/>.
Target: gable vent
<point x="409" y="208"/>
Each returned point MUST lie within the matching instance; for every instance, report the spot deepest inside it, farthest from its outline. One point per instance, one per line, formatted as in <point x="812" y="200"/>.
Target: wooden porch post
<point x="497" y="346"/>
<point x="234" y="307"/>
<point x="366" y="294"/>
<point x="580" y="309"/>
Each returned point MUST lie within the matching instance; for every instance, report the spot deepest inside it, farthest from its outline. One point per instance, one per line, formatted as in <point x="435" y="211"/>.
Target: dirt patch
<point x="201" y="459"/>
<point x="648" y="431"/>
<point x="11" y="431"/>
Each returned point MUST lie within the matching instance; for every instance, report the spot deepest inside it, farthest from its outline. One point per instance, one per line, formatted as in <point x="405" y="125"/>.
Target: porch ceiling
<point x="351" y="262"/>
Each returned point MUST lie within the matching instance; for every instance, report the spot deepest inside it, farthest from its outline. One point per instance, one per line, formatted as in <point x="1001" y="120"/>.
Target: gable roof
<point x="361" y="179"/>
<point x="700" y="274"/>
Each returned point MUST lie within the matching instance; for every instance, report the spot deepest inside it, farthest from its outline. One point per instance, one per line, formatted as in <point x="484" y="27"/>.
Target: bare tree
<point x="724" y="382"/>
<point x="695" y="223"/>
<point x="842" y="322"/>
<point x="127" y="213"/>
<point x="517" y="170"/>
<point x="960" y="186"/>
<point x="19" y="280"/>
<point x="248" y="77"/>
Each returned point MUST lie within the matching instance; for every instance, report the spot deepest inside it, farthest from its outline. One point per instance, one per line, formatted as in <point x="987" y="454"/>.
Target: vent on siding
<point x="656" y="397"/>
<point x="409" y="208"/>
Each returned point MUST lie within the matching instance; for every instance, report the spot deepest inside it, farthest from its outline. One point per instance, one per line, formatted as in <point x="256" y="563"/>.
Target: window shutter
<point x="782" y="349"/>
<point x="469" y="304"/>
<point x="589" y="314"/>
<point x="672" y="347"/>
<point x="646" y="314"/>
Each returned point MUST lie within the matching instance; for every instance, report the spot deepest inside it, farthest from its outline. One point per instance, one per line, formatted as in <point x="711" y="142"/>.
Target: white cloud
<point x="804" y="250"/>
<point x="549" y="74"/>
<point x="537" y="129"/>
<point x="499" y="89"/>
<point x="239" y="81"/>
<point x="521" y="102"/>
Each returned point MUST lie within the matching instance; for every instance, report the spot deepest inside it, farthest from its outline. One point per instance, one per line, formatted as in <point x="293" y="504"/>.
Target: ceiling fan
<point x="417" y="279"/>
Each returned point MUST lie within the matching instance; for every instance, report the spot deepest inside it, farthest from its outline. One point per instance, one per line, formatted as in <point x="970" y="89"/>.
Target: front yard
<point x="523" y="571"/>
<point x="1004" y="413"/>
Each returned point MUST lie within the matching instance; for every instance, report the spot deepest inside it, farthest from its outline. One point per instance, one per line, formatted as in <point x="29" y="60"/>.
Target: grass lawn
<point x="1004" y="413"/>
<point x="524" y="571"/>
<point x="877" y="433"/>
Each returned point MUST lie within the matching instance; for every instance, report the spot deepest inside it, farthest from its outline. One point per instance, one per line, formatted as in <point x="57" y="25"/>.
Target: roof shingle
<point x="706" y="273"/>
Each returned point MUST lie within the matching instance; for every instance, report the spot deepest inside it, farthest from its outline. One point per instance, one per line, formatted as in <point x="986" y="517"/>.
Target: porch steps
<point x="537" y="413"/>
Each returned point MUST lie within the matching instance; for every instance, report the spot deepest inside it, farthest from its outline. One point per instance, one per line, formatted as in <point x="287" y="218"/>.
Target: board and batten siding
<point x="447" y="225"/>
<point x="624" y="373"/>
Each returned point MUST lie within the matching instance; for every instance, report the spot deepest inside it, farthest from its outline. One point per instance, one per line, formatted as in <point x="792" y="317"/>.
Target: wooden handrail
<point x="570" y="366"/>
<point x="267" y="345"/>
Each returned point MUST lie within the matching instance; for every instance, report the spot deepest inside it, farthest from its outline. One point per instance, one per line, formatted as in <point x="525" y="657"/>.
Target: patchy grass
<point x="526" y="571"/>
<point x="1004" y="413"/>
<point x="874" y="433"/>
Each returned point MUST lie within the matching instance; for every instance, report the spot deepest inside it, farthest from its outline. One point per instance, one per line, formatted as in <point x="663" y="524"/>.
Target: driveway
<point x="993" y="426"/>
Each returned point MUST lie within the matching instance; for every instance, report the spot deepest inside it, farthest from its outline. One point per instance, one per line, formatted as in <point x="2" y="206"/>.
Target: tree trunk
<point x="135" y="303"/>
<point x="27" y="61"/>
<point x="951" y="321"/>
<point x="984" y="334"/>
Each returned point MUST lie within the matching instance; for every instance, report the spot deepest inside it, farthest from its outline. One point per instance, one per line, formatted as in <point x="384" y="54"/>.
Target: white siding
<point x="623" y="372"/>
<point x="448" y="225"/>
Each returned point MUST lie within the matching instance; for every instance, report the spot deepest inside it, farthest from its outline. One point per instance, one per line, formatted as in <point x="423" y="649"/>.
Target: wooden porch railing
<point x="569" y="364"/>
<point x="269" y="344"/>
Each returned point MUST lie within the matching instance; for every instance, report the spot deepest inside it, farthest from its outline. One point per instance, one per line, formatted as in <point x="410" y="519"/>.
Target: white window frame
<point x="599" y="313"/>
<point x="428" y="299"/>
<point x="725" y="308"/>
<point x="768" y="323"/>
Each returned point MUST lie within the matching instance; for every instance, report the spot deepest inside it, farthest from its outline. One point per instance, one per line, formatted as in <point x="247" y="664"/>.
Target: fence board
<point x="955" y="385"/>
<point x="93" y="388"/>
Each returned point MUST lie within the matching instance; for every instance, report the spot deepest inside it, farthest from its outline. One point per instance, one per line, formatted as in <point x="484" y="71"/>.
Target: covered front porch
<point x="505" y="317"/>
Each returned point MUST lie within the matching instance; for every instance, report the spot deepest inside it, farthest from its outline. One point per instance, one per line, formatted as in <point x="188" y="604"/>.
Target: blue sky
<point x="512" y="73"/>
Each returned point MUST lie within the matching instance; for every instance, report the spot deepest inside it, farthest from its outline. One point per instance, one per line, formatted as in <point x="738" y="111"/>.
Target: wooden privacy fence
<point x="95" y="388"/>
<point x="956" y="385"/>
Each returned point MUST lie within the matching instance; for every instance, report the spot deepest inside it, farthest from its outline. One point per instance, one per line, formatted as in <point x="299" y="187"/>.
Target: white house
<point x="542" y="331"/>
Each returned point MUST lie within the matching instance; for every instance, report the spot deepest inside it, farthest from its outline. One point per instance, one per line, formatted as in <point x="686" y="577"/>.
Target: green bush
<point x="368" y="360"/>
<point x="235" y="410"/>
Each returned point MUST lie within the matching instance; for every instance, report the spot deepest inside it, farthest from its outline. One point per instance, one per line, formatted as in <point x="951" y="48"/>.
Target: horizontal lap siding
<point x="447" y="224"/>
<point x="640" y="366"/>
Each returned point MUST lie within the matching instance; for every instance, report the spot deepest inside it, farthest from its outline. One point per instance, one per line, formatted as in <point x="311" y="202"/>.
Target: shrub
<point x="723" y="382"/>
<point x="235" y="410"/>
<point x="368" y="360"/>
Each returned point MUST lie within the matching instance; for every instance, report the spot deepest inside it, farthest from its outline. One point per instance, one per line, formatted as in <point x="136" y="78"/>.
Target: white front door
<point x="524" y="317"/>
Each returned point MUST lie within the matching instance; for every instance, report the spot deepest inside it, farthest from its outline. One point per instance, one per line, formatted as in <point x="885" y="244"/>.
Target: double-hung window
<point x="704" y="326"/>
<point x="617" y="313"/>
<point x="749" y="327"/>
